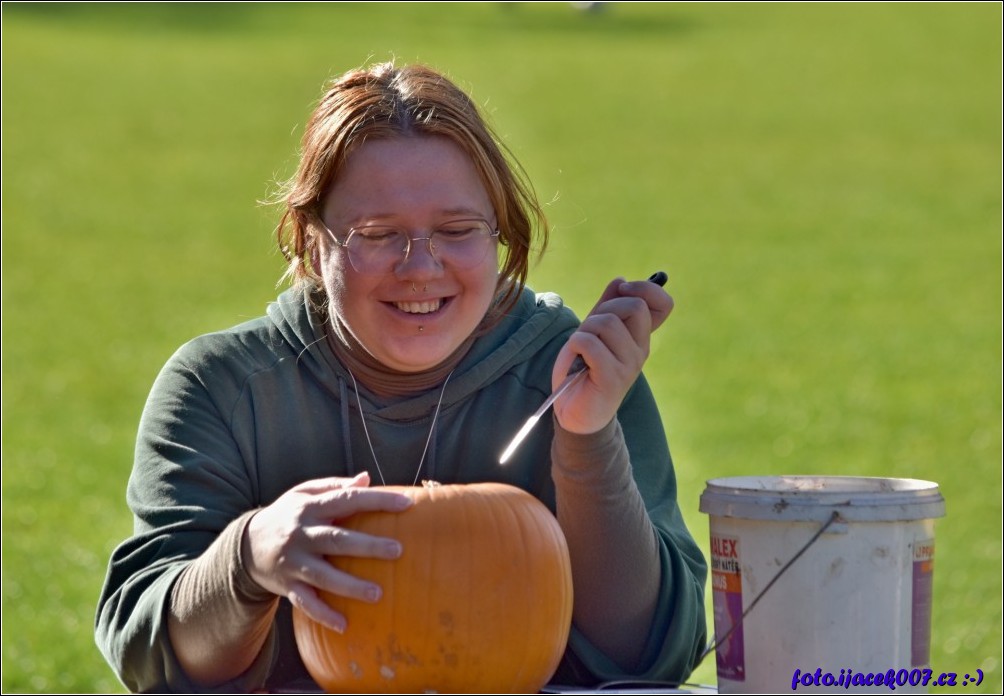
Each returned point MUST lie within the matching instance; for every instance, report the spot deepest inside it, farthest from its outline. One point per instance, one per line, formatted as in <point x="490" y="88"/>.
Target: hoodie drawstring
<point x="343" y="395"/>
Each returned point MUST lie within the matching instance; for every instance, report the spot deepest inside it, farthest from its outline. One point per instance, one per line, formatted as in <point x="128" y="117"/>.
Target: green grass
<point x="822" y="182"/>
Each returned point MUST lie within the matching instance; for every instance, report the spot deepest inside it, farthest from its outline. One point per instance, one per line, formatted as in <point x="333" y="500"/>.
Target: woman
<point x="408" y="348"/>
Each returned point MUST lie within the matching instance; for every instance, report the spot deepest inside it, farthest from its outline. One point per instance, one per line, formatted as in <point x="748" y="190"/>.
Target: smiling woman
<point x="408" y="347"/>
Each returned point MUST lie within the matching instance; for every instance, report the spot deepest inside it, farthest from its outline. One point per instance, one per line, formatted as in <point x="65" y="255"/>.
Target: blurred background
<point x="821" y="181"/>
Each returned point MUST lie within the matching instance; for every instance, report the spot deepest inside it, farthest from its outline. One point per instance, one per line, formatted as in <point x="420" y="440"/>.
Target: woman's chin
<point x="418" y="354"/>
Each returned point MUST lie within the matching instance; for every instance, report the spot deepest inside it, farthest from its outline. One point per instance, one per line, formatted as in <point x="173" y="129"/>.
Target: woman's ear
<point x="315" y="258"/>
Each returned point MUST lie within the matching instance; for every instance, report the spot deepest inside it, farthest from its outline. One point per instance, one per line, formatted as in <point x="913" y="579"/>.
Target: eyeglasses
<point x="378" y="249"/>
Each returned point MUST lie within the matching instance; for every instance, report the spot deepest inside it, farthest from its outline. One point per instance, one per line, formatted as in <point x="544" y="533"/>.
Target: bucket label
<point x="923" y="586"/>
<point x="727" y="597"/>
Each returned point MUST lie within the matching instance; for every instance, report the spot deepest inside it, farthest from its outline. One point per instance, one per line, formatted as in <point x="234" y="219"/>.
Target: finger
<point x="328" y="540"/>
<point x="321" y="574"/>
<point x="342" y="503"/>
<point x="306" y="599"/>
<point x="331" y="483"/>
<point x="631" y="312"/>
<point x="660" y="303"/>
<point x="609" y="347"/>
<point x="359" y="481"/>
<point x="609" y="292"/>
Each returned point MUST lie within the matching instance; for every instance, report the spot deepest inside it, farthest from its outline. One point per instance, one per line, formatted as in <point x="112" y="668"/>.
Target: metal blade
<point x="532" y="420"/>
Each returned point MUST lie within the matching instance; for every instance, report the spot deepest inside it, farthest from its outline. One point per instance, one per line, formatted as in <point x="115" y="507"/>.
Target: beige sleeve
<point x="611" y="541"/>
<point x="219" y="617"/>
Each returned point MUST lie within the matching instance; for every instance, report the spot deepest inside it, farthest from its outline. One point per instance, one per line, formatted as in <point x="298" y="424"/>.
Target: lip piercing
<point x="414" y="289"/>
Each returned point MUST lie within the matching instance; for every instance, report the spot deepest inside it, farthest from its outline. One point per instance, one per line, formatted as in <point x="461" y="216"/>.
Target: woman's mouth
<point x="423" y="307"/>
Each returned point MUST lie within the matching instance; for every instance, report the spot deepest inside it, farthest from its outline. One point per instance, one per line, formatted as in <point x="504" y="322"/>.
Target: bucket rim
<point x="815" y="497"/>
<point x="807" y="483"/>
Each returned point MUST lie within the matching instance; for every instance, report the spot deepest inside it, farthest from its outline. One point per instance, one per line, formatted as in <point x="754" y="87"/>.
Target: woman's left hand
<point x="613" y="340"/>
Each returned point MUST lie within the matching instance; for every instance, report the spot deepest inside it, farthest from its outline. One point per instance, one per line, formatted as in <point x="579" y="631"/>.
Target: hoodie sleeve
<point x="616" y="499"/>
<point x="189" y="482"/>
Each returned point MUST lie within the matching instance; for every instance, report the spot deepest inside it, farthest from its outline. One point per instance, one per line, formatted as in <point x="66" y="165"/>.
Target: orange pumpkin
<point x="479" y="601"/>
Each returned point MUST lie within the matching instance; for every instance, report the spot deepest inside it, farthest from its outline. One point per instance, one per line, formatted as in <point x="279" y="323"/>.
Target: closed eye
<point x="460" y="230"/>
<point x="378" y="235"/>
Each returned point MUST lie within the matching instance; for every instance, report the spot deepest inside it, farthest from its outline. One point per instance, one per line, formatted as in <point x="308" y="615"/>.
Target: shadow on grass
<point x="210" y="18"/>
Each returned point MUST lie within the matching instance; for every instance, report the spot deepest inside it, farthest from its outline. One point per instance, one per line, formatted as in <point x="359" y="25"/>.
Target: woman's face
<point x="415" y="315"/>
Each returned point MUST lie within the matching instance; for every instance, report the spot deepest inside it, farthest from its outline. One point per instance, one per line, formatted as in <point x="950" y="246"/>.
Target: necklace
<point x="432" y="428"/>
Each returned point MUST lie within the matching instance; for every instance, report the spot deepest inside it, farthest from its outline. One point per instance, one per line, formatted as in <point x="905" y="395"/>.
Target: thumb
<point x="611" y="291"/>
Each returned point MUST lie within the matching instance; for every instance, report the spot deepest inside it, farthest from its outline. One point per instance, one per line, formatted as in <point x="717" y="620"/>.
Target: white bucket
<point x="854" y="605"/>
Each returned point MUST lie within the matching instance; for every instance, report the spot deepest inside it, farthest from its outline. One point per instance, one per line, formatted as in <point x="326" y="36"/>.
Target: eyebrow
<point x="387" y="218"/>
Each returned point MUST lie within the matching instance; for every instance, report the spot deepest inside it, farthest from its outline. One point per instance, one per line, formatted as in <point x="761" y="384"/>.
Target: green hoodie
<point x="238" y="417"/>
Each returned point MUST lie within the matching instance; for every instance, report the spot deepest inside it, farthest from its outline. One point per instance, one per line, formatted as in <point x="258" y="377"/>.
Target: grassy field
<point x="821" y="181"/>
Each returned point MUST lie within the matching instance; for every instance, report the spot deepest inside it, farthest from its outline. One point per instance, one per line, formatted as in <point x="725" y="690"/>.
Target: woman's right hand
<point x="285" y="543"/>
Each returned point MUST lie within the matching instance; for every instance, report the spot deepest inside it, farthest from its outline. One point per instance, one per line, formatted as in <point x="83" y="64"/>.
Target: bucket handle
<point x="714" y="644"/>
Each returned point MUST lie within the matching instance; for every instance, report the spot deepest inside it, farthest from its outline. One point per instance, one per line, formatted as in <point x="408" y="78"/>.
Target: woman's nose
<point x="420" y="255"/>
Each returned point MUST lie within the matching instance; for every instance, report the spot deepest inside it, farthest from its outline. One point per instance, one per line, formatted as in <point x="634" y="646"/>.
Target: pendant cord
<point x="366" y="431"/>
<point x="432" y="428"/>
<point x="428" y="439"/>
